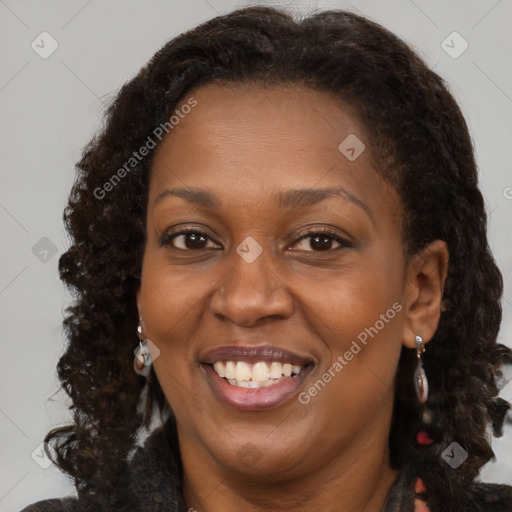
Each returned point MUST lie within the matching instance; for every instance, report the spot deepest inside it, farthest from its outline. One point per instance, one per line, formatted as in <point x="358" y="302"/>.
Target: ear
<point x="426" y="276"/>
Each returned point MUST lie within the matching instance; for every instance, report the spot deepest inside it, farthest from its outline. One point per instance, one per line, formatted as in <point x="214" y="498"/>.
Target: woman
<point x="287" y="215"/>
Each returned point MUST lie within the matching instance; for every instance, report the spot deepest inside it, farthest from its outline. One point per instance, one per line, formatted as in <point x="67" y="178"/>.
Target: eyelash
<point x="326" y="232"/>
<point x="167" y="239"/>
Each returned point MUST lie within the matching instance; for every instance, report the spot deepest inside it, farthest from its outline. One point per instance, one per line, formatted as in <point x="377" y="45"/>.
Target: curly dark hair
<point x="420" y="143"/>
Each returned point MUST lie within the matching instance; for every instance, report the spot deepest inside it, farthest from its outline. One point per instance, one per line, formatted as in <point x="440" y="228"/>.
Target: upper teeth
<point x="258" y="372"/>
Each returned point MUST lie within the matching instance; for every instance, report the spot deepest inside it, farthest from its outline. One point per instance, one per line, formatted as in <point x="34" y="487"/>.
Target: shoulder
<point x="478" y="497"/>
<point x="54" y="505"/>
<point x="84" y="504"/>
<point x="151" y="482"/>
<point x="487" y="497"/>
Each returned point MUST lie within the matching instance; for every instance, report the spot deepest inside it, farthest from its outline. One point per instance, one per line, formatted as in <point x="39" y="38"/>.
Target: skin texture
<point x="246" y="144"/>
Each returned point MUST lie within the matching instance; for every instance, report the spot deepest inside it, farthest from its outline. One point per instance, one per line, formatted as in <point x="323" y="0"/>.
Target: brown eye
<point x="189" y="239"/>
<point x="321" y="241"/>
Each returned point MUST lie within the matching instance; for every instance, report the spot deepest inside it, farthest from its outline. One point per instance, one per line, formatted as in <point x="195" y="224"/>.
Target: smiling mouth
<point x="255" y="378"/>
<point x="256" y="375"/>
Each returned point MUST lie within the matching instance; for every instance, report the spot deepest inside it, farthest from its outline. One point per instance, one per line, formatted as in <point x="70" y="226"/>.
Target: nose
<point x="251" y="293"/>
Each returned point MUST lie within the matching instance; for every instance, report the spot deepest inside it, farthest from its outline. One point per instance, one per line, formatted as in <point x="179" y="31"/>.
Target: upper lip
<point x="248" y="354"/>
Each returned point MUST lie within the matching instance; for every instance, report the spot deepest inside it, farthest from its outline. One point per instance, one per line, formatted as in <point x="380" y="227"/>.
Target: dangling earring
<point x="421" y="387"/>
<point x="420" y="377"/>
<point x="145" y="354"/>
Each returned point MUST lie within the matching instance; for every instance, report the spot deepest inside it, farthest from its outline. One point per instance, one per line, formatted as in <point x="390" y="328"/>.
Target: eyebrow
<point x="291" y="199"/>
<point x="192" y="195"/>
<point x="309" y="197"/>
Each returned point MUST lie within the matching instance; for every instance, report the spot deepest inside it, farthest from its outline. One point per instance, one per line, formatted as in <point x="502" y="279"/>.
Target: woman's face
<point x="257" y="177"/>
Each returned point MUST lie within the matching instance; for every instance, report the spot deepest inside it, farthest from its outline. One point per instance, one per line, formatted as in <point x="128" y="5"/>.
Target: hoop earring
<point x="421" y="387"/>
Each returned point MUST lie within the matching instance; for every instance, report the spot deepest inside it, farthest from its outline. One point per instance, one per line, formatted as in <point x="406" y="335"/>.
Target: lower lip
<point x="255" y="399"/>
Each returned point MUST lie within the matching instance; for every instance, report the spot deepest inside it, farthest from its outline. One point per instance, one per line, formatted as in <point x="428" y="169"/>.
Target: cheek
<point x="358" y="315"/>
<point x="173" y="300"/>
<point x="356" y="386"/>
<point x="361" y="329"/>
<point x="172" y="303"/>
<point x="345" y="303"/>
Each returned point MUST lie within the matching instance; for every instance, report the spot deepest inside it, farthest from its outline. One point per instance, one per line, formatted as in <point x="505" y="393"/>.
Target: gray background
<point x="51" y="107"/>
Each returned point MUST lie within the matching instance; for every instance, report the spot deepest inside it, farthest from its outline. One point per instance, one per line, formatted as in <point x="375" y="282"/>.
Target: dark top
<point x="155" y="486"/>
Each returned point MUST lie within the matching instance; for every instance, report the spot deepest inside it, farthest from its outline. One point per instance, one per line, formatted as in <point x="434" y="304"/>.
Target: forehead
<point x="250" y="138"/>
<point x="302" y="118"/>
